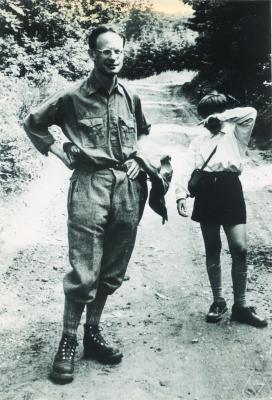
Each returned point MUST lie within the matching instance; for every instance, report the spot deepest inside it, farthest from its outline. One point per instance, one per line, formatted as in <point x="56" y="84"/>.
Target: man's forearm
<point x="39" y="135"/>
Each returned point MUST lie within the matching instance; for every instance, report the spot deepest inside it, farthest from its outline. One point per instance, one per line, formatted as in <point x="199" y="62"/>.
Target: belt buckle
<point x="120" y="167"/>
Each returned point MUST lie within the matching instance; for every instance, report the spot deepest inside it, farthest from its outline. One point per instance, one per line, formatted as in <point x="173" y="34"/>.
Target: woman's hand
<point x="213" y="124"/>
<point x="182" y="207"/>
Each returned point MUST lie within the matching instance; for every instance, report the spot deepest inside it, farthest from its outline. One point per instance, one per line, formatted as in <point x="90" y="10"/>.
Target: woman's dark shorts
<point x="220" y="200"/>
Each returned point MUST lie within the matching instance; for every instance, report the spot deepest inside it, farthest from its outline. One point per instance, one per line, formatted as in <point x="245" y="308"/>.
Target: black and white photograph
<point x="135" y="200"/>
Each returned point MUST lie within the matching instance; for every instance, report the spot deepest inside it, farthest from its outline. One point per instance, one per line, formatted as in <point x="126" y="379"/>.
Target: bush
<point x="154" y="54"/>
<point x="19" y="160"/>
<point x="70" y="60"/>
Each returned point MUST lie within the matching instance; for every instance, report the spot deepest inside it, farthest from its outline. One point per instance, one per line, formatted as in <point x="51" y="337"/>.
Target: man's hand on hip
<point x="57" y="150"/>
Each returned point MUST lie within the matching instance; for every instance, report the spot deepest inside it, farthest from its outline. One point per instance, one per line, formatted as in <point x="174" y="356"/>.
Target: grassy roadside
<point x="19" y="161"/>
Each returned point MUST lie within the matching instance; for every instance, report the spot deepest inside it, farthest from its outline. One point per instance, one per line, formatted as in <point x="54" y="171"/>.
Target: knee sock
<point x="239" y="280"/>
<point x="71" y="317"/>
<point x="214" y="273"/>
<point x="95" y="309"/>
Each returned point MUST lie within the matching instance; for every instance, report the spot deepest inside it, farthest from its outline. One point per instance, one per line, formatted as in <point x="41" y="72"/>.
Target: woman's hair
<point x="215" y="102"/>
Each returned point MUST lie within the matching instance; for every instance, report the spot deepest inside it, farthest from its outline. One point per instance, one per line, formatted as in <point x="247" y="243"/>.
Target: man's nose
<point x="113" y="55"/>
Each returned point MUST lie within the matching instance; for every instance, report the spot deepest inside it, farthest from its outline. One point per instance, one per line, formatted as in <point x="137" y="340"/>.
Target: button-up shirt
<point x="231" y="142"/>
<point x="105" y="127"/>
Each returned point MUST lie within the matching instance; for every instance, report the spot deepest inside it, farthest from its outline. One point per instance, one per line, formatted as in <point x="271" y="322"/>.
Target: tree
<point x="42" y="20"/>
<point x="156" y="42"/>
<point x="89" y="13"/>
<point x="233" y="37"/>
<point x="36" y="35"/>
<point x="232" y="49"/>
<point x="141" y="19"/>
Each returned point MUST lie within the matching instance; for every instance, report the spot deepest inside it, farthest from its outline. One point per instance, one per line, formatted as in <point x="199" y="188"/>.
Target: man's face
<point x="108" y="56"/>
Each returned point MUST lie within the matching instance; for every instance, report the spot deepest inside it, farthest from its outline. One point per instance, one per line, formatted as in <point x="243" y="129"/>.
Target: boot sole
<point x="58" y="377"/>
<point x="104" y="360"/>
<point x="251" y="323"/>
<point x="216" y="319"/>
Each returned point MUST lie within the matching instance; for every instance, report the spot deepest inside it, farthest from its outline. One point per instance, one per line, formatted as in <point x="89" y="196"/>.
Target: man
<point x="104" y="124"/>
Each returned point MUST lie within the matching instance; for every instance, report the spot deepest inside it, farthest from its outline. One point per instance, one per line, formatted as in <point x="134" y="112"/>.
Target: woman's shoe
<point x="216" y="311"/>
<point x="247" y="315"/>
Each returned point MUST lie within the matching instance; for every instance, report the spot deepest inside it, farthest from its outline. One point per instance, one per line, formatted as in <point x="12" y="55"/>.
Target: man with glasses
<point x="104" y="123"/>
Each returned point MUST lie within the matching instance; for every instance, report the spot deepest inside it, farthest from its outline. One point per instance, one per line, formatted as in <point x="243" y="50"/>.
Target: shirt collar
<point x="93" y="85"/>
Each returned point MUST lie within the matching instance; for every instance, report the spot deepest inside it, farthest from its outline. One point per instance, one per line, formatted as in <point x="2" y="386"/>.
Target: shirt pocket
<point x="127" y="132"/>
<point x="92" y="132"/>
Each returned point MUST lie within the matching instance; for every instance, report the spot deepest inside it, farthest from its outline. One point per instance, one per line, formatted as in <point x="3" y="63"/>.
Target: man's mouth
<point x="112" y="66"/>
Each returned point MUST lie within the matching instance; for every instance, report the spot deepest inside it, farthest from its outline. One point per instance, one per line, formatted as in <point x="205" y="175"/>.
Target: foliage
<point x="41" y="20"/>
<point x="156" y="43"/>
<point x="70" y="60"/>
<point x="90" y="13"/>
<point x="154" y="54"/>
<point x="140" y="21"/>
<point x="52" y="21"/>
<point x="232" y="50"/>
<point x="17" y="161"/>
<point x="40" y="37"/>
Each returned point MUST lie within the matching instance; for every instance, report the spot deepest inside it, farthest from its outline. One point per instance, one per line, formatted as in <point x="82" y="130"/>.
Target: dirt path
<point x="170" y="352"/>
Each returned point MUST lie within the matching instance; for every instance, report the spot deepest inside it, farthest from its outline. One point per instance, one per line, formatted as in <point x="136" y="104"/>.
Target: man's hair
<point x="93" y="35"/>
<point x="215" y="102"/>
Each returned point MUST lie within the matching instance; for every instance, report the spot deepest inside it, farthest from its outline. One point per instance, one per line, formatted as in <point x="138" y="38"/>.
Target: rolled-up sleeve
<point x="36" y="124"/>
<point x="244" y="119"/>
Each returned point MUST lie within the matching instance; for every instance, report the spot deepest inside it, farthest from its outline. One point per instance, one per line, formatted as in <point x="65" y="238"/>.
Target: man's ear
<point x="91" y="54"/>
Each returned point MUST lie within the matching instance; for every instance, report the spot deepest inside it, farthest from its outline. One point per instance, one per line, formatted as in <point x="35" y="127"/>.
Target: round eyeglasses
<point x="108" y="52"/>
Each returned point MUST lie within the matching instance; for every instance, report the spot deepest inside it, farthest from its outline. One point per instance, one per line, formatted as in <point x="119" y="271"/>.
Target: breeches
<point x="104" y="209"/>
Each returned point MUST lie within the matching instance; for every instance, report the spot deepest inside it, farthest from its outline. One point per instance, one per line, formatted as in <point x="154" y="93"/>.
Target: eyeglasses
<point x="108" y="52"/>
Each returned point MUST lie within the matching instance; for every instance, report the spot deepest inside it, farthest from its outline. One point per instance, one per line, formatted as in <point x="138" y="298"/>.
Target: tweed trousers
<point x="104" y="209"/>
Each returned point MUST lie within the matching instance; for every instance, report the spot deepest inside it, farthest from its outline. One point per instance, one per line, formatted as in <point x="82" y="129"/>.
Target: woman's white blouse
<point x="231" y="145"/>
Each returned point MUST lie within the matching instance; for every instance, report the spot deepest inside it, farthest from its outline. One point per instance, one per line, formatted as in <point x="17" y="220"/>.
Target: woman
<point x="219" y="200"/>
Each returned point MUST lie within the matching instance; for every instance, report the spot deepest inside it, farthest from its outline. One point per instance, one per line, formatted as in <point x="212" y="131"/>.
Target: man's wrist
<point x="183" y="196"/>
<point x="55" y="149"/>
<point x="51" y="147"/>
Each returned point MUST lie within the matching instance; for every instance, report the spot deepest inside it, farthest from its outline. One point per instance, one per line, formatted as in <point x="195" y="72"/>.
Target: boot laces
<point x="68" y="348"/>
<point x="96" y="335"/>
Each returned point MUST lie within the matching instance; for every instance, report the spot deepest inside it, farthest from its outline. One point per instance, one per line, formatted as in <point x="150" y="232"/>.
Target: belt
<point x="119" y="167"/>
<point x="88" y="166"/>
<point x="220" y="173"/>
